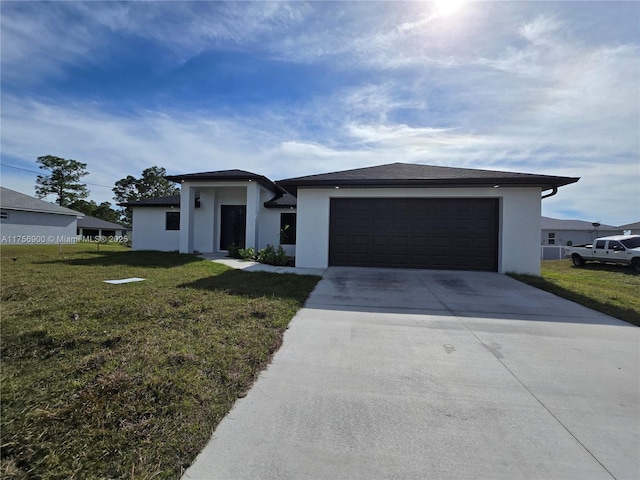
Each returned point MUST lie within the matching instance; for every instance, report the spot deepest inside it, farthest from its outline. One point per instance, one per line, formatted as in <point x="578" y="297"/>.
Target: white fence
<point x="552" y="252"/>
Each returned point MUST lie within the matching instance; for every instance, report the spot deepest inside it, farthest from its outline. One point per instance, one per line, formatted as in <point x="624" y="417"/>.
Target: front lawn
<point x="610" y="289"/>
<point x="127" y="381"/>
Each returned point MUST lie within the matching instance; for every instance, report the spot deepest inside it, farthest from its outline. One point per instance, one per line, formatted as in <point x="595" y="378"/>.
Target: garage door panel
<point x="419" y="241"/>
<point x="460" y="233"/>
<point x="340" y="240"/>
<point x="462" y="242"/>
<point x="379" y="223"/>
<point x="360" y="240"/>
<point x="400" y="241"/>
<point x="380" y="241"/>
<point x="440" y="242"/>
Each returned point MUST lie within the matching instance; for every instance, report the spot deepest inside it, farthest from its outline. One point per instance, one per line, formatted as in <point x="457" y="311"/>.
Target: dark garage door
<point x="445" y="233"/>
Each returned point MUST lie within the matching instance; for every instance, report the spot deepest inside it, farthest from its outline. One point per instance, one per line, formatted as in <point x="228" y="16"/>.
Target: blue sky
<point x="290" y="89"/>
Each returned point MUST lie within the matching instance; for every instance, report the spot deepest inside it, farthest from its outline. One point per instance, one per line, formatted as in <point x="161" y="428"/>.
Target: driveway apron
<point x="420" y="374"/>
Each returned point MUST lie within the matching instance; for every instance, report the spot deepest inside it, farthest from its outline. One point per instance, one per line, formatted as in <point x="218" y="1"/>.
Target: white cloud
<point x="502" y="85"/>
<point x="541" y="31"/>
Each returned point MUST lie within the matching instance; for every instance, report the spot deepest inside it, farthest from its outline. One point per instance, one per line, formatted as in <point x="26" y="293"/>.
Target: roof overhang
<point x="543" y="182"/>
<point x="223" y="176"/>
<point x="70" y="213"/>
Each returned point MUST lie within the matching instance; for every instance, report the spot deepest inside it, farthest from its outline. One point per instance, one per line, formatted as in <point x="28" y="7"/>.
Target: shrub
<point x="241" y="253"/>
<point x="272" y="256"/>
<point x="233" y="250"/>
<point x="246" y="253"/>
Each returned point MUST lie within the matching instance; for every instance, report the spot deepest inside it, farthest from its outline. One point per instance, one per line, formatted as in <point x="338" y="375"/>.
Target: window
<point x="173" y="221"/>
<point x="551" y="238"/>
<point x="4" y="215"/>
<point x="288" y="228"/>
<point x="600" y="244"/>
<point x="615" y="246"/>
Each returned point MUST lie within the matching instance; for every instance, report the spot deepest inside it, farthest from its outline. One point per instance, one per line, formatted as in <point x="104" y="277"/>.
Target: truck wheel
<point x="577" y="260"/>
<point x="636" y="264"/>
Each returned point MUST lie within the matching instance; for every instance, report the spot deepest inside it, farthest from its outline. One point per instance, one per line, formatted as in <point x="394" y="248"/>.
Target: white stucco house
<point x="630" y="228"/>
<point x="29" y="220"/>
<point x="556" y="231"/>
<point x="397" y="215"/>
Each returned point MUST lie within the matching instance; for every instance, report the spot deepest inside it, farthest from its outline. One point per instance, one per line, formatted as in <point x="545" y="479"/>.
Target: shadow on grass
<point x="623" y="313"/>
<point x="138" y="258"/>
<point x="258" y="284"/>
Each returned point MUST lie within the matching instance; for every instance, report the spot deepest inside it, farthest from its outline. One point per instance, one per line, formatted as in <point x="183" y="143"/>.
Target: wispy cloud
<point x="544" y="87"/>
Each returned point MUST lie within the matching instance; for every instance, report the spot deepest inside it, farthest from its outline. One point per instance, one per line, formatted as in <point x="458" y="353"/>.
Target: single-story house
<point x="91" y="227"/>
<point x="29" y="220"/>
<point x="397" y="215"/>
<point x="573" y="232"/>
<point x="630" y="228"/>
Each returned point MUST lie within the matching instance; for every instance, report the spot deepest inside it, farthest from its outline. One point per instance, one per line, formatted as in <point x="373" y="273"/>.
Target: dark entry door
<point x="443" y="233"/>
<point x="233" y="223"/>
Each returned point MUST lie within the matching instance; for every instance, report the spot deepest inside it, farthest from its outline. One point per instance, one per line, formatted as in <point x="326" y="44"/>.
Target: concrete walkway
<point x="249" y="266"/>
<point x="434" y="374"/>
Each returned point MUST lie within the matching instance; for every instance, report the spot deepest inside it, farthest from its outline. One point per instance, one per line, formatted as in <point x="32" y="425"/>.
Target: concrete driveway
<point x="391" y="374"/>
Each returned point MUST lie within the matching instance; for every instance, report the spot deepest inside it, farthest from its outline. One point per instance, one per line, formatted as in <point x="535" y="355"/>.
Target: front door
<point x="233" y="223"/>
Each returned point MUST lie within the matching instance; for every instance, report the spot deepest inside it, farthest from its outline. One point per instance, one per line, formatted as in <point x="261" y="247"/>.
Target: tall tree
<point x="151" y="184"/>
<point x="91" y="208"/>
<point x="63" y="180"/>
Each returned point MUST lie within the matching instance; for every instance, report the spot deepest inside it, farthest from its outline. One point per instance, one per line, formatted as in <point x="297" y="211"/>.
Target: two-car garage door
<point x="443" y="233"/>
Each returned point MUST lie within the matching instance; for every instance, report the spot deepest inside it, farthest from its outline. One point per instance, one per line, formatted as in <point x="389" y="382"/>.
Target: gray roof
<point x="559" y="224"/>
<point x="170" y="201"/>
<point x="282" y="201"/>
<point x="630" y="226"/>
<point x="12" y="200"/>
<point x="224" y="175"/>
<point x="407" y="175"/>
<point x="92" y="222"/>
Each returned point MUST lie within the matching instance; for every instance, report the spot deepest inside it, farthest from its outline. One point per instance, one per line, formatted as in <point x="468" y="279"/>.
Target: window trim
<point x="551" y="238"/>
<point x="4" y="215"/>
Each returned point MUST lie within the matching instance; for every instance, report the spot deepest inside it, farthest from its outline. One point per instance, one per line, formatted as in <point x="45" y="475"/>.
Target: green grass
<point x="127" y="381"/>
<point x="610" y="289"/>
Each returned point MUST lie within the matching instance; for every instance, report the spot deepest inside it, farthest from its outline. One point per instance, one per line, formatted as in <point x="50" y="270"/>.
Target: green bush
<point x="272" y="256"/>
<point x="233" y="250"/>
<point x="246" y="253"/>
<point x="241" y="253"/>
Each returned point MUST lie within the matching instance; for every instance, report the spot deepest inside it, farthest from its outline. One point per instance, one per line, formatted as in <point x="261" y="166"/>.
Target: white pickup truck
<point x="624" y="249"/>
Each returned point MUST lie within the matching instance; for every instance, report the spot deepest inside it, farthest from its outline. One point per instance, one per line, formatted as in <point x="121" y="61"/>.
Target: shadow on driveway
<point x="447" y="293"/>
<point x="258" y="284"/>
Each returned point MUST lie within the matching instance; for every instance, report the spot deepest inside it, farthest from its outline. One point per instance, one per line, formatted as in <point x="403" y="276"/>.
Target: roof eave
<point x="544" y="183"/>
<point x="35" y="210"/>
<point x="208" y="178"/>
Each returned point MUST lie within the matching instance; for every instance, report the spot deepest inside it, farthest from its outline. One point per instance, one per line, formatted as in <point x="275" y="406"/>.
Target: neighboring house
<point x="631" y="228"/>
<point x="573" y="232"/>
<point x="91" y="227"/>
<point x="397" y="215"/>
<point x="28" y="220"/>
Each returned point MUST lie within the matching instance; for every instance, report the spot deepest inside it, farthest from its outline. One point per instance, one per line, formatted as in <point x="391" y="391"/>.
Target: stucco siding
<point x="42" y="228"/>
<point x="520" y="212"/>
<point x="519" y="250"/>
<point x="203" y="231"/>
<point x="270" y="228"/>
<point x="149" y="232"/>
